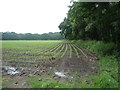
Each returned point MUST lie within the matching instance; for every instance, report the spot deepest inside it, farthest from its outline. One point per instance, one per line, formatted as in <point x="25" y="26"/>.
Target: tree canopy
<point x="92" y="20"/>
<point x="29" y="36"/>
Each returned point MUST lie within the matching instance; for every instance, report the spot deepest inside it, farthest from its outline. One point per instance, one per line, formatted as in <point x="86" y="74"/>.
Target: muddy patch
<point x="81" y="65"/>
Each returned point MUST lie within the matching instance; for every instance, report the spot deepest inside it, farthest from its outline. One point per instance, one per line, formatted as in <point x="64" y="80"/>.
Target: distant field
<point x="28" y="50"/>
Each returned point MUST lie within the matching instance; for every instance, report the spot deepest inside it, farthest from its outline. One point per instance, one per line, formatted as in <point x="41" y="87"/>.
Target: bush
<point x="99" y="48"/>
<point x="104" y="80"/>
<point x="108" y="63"/>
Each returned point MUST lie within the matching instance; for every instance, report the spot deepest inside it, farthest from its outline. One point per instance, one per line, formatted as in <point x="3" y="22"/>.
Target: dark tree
<point x="95" y="21"/>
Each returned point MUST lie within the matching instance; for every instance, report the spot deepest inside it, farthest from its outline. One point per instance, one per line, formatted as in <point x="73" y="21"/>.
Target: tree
<point x="29" y="36"/>
<point x="95" y="20"/>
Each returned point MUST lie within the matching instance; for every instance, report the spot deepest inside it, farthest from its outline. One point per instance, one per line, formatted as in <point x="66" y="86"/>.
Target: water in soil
<point x="62" y="74"/>
<point x="10" y="70"/>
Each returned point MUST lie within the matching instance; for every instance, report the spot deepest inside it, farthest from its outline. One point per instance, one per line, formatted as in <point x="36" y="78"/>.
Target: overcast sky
<point x="32" y="16"/>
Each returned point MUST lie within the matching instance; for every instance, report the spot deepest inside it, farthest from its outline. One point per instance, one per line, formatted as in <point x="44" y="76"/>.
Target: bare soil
<point x="74" y="67"/>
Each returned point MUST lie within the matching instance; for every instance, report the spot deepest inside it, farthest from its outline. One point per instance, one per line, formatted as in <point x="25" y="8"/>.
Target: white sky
<point x="32" y="16"/>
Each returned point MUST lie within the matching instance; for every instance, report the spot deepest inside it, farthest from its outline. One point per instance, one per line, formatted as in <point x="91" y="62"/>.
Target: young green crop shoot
<point x="58" y="53"/>
<point x="50" y="48"/>
<point x="70" y="51"/>
<point x="57" y="48"/>
<point x="54" y="48"/>
<point x="64" y="51"/>
<point x="76" y="51"/>
<point x="50" y="51"/>
<point x="81" y="51"/>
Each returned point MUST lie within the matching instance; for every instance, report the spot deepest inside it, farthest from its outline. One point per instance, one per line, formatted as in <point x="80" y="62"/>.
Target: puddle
<point x="10" y="70"/>
<point x="61" y="74"/>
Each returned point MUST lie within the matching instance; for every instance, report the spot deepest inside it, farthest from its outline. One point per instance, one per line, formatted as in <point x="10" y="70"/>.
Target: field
<point x="60" y="61"/>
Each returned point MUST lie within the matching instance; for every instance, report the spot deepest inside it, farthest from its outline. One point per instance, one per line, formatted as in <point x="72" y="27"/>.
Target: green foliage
<point x="95" y="21"/>
<point x="100" y="48"/>
<point x="37" y="82"/>
<point x="29" y="36"/>
<point x="108" y="64"/>
<point x="104" y="80"/>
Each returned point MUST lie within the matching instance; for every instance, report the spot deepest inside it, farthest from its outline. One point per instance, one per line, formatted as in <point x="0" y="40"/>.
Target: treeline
<point x="92" y="21"/>
<point x="29" y="36"/>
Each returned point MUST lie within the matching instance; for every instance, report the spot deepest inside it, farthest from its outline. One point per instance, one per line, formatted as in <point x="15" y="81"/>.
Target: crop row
<point x="58" y="50"/>
<point x="67" y="49"/>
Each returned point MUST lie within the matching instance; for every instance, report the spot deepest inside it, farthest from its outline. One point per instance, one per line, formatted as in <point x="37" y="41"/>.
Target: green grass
<point x="37" y="82"/>
<point x="108" y="54"/>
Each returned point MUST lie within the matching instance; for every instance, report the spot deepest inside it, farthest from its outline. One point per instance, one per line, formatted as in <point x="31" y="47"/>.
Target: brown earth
<point x="46" y="68"/>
